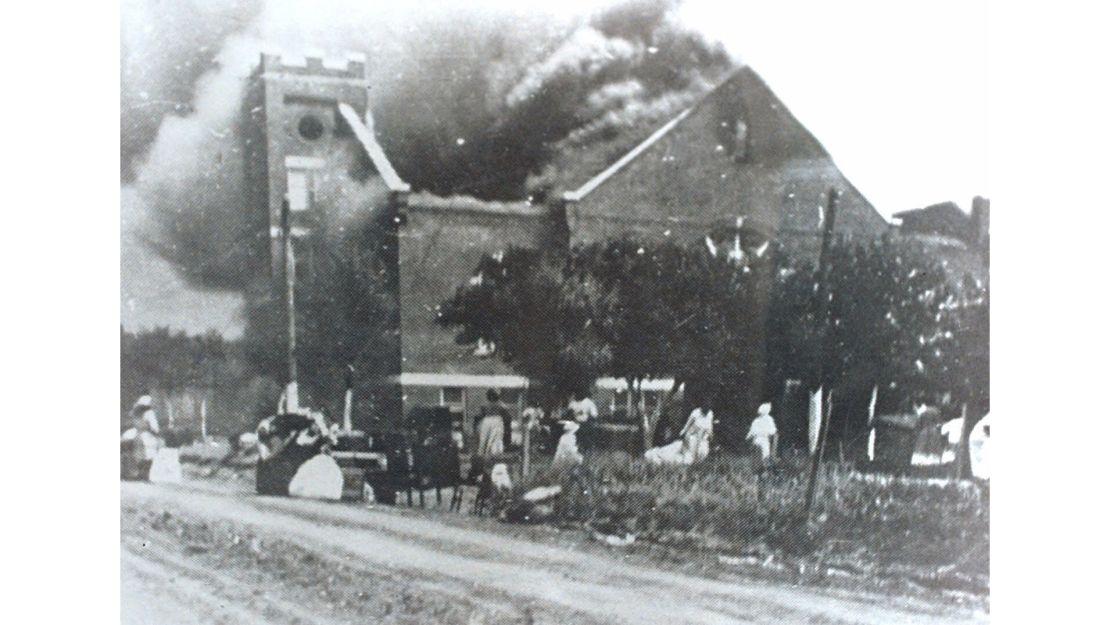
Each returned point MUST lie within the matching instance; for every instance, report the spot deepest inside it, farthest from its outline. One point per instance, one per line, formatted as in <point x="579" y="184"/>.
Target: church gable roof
<point x="759" y="145"/>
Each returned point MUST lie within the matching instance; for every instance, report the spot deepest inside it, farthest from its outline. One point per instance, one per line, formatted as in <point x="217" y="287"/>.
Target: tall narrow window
<point x="300" y="181"/>
<point x="740" y="141"/>
<point x="300" y="189"/>
<point x="733" y="133"/>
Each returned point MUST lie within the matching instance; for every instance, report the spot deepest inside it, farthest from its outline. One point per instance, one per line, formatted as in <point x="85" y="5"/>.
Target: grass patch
<point x="734" y="505"/>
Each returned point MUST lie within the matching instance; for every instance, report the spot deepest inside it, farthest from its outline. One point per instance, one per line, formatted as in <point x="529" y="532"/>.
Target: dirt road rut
<point x="342" y="563"/>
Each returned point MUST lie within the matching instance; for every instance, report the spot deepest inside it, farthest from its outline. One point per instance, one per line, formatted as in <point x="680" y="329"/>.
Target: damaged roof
<point x="366" y="138"/>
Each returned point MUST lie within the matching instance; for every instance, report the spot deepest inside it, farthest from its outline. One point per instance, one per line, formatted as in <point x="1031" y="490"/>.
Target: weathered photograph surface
<point x="484" y="313"/>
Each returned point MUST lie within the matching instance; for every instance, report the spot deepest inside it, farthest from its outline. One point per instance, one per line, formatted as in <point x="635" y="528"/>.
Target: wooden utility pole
<point x="822" y="319"/>
<point x="292" y="401"/>
<point x="526" y="451"/>
<point x="349" y="399"/>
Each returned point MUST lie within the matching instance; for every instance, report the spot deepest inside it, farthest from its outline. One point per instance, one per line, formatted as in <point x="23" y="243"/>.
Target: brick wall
<point x="706" y="172"/>
<point x="441" y="243"/>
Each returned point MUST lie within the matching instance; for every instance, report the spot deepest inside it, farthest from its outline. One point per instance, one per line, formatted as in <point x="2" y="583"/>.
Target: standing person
<point x="583" y="411"/>
<point x="763" y="433"/>
<point x="696" y="434"/>
<point x="531" y="418"/>
<point x="566" y="453"/>
<point x="978" y="446"/>
<point x="491" y="426"/>
<point x="142" y="413"/>
<point x="582" y="408"/>
<point x="144" y="433"/>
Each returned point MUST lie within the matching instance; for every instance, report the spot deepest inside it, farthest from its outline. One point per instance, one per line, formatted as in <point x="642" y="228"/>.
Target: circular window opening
<point x="310" y="128"/>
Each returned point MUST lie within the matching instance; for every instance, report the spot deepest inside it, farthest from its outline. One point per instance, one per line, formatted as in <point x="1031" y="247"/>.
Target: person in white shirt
<point x="582" y="408"/>
<point x="763" y="433"/>
<point x="143" y="414"/>
<point x="695" y="435"/>
<point x="142" y="437"/>
<point x="693" y="442"/>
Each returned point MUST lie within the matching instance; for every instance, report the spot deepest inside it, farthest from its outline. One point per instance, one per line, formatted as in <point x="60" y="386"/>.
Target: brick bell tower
<point x="293" y="130"/>
<point x="302" y="124"/>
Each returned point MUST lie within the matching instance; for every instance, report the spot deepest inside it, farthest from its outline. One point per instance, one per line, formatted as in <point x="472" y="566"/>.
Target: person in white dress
<point x="143" y="413"/>
<point x="146" y="428"/>
<point x="142" y="440"/>
<point x="692" y="444"/>
<point x="764" y="434"/>
<point x="491" y="427"/>
<point x="566" y="453"/>
<point x="978" y="443"/>
<point x="696" y="435"/>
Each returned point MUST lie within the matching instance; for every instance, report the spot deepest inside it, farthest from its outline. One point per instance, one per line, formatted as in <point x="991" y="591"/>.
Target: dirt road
<point x="199" y="554"/>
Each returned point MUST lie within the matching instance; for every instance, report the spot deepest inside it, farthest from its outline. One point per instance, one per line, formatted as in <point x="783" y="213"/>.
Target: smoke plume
<point x="474" y="101"/>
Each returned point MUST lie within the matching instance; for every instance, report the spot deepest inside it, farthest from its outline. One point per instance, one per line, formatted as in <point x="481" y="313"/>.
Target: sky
<point x="896" y="92"/>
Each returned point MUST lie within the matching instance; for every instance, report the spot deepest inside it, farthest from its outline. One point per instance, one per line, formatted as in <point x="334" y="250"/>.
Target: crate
<point x="354" y="465"/>
<point x="354" y="480"/>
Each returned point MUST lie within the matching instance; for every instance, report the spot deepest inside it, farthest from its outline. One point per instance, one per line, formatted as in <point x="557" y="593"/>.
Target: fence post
<point x="961" y="448"/>
<point x="822" y="319"/>
<point x="815" y="465"/>
<point x="526" y="454"/>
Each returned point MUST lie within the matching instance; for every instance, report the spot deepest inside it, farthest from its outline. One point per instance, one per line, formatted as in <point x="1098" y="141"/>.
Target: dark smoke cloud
<point x="466" y="101"/>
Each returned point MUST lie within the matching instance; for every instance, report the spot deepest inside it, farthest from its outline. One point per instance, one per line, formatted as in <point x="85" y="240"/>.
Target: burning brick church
<point x="736" y="158"/>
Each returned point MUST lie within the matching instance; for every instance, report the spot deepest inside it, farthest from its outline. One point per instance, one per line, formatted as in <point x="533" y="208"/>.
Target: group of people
<point x="694" y="439"/>
<point x="493" y="432"/>
<point x="493" y="425"/>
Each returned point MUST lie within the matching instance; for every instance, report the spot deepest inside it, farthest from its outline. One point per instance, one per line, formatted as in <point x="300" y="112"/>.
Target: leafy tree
<point x="969" y="369"/>
<point x="684" y="312"/>
<point x="538" y="310"/>
<point x="896" y="322"/>
<point x="155" y="358"/>
<point x="172" y="362"/>
<point x="732" y="329"/>
<point x="627" y="309"/>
